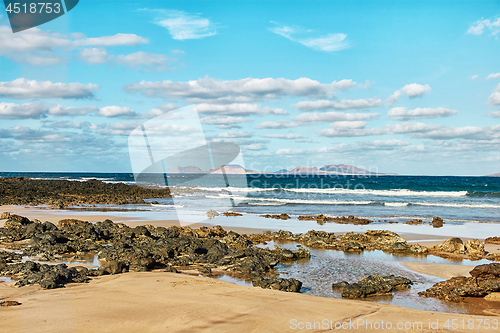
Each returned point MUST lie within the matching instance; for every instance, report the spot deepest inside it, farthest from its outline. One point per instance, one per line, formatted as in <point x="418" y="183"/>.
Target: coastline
<point x="157" y="301"/>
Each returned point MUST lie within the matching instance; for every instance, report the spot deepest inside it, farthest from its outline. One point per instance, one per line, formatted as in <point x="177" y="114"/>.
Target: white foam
<point x="457" y="205"/>
<point x="396" y="204"/>
<point x="293" y="201"/>
<point x="398" y="192"/>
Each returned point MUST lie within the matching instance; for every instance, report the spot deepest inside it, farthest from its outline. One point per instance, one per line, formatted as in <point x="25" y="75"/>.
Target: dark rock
<point x="492" y="240"/>
<point x="205" y="270"/>
<point x="474" y="248"/>
<point x="47" y="276"/>
<point x="171" y="269"/>
<point x="373" y="285"/>
<point x="339" y="285"/>
<point x="61" y="193"/>
<point x="414" y="222"/>
<point x="113" y="267"/>
<point x="290" y="285"/>
<point x="451" y="245"/>
<point x="9" y="303"/>
<point x="278" y="217"/>
<point x="437" y="222"/>
<point x="484" y="280"/>
<point x="229" y="213"/>
<point x="486" y="270"/>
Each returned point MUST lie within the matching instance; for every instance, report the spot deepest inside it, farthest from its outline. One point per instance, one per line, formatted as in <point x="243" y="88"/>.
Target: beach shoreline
<point x="157" y="301"/>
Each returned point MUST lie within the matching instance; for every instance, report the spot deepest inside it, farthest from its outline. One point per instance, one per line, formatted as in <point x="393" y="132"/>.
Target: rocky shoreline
<point x="62" y="193"/>
<point x="119" y="248"/>
<point x="31" y="252"/>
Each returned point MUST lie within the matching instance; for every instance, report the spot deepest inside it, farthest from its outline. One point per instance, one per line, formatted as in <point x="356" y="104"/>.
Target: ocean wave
<point x="265" y="204"/>
<point x="480" y="194"/>
<point x="396" y="204"/>
<point x="228" y="188"/>
<point x="397" y="192"/>
<point x="455" y="205"/>
<point x="293" y="201"/>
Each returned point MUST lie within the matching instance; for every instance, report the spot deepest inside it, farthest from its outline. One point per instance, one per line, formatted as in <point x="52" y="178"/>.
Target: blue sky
<point x="409" y="87"/>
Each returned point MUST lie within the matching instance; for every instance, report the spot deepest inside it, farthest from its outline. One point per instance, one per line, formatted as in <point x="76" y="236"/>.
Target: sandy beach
<point x="167" y="302"/>
<point x="159" y="302"/>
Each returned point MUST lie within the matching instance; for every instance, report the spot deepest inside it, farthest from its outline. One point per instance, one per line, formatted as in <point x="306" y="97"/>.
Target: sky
<point x="407" y="87"/>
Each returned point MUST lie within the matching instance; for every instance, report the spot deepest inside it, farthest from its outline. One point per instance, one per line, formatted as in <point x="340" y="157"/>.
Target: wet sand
<point x="445" y="271"/>
<point x="167" y="302"/>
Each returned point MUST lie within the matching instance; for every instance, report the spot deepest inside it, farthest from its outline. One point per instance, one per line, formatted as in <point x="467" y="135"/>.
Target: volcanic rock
<point x="372" y="285"/>
<point x="290" y="285"/>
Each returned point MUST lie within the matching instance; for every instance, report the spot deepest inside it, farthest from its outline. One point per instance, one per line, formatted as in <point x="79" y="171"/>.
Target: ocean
<point x="381" y="198"/>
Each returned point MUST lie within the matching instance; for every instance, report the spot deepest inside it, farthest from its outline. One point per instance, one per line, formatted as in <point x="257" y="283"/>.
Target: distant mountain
<point x="330" y="169"/>
<point x="494" y="175"/>
<point x="188" y="169"/>
<point x="344" y="169"/>
<point x="305" y="170"/>
<point x="229" y="169"/>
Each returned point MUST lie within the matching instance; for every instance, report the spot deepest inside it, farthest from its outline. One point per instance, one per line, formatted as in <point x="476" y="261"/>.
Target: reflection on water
<point x="326" y="267"/>
<point x="231" y="279"/>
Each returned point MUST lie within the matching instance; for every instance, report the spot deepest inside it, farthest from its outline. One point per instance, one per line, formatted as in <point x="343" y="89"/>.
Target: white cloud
<point x="415" y="89"/>
<point x="474" y="77"/>
<point x="412" y="90"/>
<point x="277" y="124"/>
<point x="22" y="88"/>
<point x="290" y="136"/>
<point x="289" y="151"/>
<point x="116" y="111"/>
<point x="235" y="134"/>
<point x="401" y="113"/>
<point x="40" y="48"/>
<point x="390" y="129"/>
<point x="478" y="27"/>
<point x="72" y="124"/>
<point x="452" y="133"/>
<point x="334" y="116"/>
<point x="115" y="40"/>
<point x="35" y="39"/>
<point x="343" y="125"/>
<point x="161" y="110"/>
<point x="345" y="104"/>
<point x="146" y="62"/>
<point x="224" y="122"/>
<point x="182" y="25"/>
<point x="383" y="144"/>
<point x="255" y="146"/>
<point x="22" y="111"/>
<point x="244" y="90"/>
<point x="59" y="110"/>
<point x="95" y="56"/>
<point x="329" y="43"/>
<point x="494" y="114"/>
<point x="34" y="60"/>
<point x="120" y="128"/>
<point x="495" y="96"/>
<point x="493" y="76"/>
<point x="238" y="109"/>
